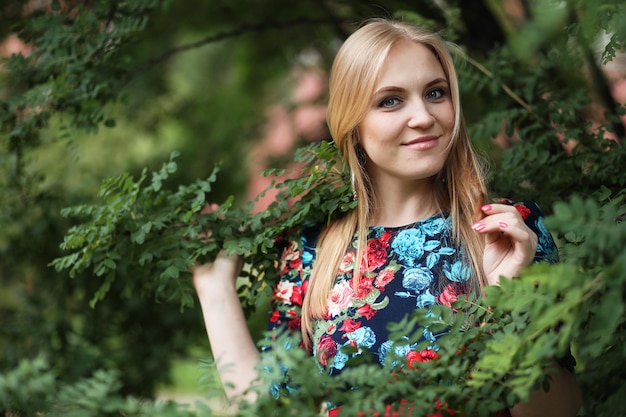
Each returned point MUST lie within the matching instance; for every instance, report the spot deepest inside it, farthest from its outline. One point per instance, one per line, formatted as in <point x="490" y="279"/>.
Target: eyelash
<point x="441" y="93"/>
<point x="386" y="100"/>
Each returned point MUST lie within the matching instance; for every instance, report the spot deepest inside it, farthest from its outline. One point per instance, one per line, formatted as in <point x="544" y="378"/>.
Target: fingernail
<point x="478" y="226"/>
<point x="503" y="225"/>
<point x="486" y="207"/>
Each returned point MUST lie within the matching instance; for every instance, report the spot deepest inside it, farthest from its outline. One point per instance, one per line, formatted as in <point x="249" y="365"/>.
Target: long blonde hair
<point x="460" y="188"/>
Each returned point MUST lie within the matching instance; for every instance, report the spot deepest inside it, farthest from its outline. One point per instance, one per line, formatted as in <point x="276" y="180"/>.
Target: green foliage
<point x="73" y="65"/>
<point x="124" y="213"/>
<point x="27" y="387"/>
<point x="32" y="389"/>
<point x="134" y="244"/>
<point x="147" y="231"/>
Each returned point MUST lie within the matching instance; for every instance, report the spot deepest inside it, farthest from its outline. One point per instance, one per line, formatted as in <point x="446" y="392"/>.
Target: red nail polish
<point x="503" y="225"/>
<point x="478" y="226"/>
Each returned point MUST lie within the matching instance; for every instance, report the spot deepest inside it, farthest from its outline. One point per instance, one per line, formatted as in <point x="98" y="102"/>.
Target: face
<point x="407" y="129"/>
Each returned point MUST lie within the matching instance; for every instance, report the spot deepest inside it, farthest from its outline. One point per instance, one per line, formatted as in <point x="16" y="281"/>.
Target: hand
<point x="212" y="278"/>
<point x="510" y="245"/>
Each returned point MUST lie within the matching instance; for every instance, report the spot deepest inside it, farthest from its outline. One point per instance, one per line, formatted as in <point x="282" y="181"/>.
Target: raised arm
<point x="234" y="350"/>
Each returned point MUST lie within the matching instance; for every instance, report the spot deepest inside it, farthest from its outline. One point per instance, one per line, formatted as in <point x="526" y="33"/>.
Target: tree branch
<point x="244" y="28"/>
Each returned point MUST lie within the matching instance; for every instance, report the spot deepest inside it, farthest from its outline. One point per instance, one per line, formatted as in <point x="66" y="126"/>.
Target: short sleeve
<point x="286" y="306"/>
<point x="533" y="217"/>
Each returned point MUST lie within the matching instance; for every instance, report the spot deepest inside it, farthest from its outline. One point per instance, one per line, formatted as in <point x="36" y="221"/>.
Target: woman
<point x="422" y="228"/>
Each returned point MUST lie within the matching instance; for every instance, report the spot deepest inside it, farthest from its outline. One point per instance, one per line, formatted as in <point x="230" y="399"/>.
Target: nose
<point x="419" y="115"/>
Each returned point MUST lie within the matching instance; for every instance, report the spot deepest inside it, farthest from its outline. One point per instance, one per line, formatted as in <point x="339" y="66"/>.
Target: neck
<point x="403" y="204"/>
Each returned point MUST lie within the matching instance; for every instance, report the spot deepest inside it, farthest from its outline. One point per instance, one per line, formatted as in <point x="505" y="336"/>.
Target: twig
<point x="505" y="87"/>
<point x="244" y="28"/>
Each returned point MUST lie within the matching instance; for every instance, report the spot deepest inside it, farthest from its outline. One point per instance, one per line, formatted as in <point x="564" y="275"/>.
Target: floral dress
<point x="409" y="267"/>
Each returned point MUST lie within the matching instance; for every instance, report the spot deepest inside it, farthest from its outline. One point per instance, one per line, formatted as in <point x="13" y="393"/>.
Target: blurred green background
<point x="242" y="83"/>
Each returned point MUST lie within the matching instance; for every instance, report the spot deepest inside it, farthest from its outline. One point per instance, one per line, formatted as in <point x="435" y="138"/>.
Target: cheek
<point x="367" y="137"/>
<point x="378" y="130"/>
<point x="447" y="117"/>
<point x="367" y="130"/>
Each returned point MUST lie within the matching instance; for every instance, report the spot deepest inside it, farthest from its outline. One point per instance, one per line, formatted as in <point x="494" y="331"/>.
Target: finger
<point x="205" y="235"/>
<point x="513" y="233"/>
<point x="490" y="209"/>
<point x="503" y="223"/>
<point x="209" y="208"/>
<point x="503" y="220"/>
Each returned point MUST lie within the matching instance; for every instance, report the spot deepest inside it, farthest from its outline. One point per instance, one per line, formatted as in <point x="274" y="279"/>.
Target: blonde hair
<point x="460" y="189"/>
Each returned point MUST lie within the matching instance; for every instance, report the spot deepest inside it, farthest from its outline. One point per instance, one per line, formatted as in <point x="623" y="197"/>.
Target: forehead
<point x="409" y="61"/>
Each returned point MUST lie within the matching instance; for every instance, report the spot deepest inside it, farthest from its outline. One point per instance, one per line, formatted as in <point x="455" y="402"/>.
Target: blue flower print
<point x="422" y="266"/>
<point x="308" y="251"/>
<point x="434" y="227"/>
<point x="376" y="232"/>
<point x="363" y="336"/>
<point x="428" y="335"/>
<point x="399" y="351"/>
<point x="417" y="279"/>
<point x="307" y="257"/>
<point x="457" y="271"/>
<point x="409" y="245"/>
<point x="340" y="359"/>
<point x="545" y="244"/>
<point x="425" y="299"/>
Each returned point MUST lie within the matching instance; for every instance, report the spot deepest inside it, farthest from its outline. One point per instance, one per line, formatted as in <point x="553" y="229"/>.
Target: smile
<point x="422" y="143"/>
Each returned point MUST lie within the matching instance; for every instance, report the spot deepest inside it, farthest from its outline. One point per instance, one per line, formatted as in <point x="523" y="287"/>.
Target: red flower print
<point x="340" y="298"/>
<point x="377" y="252"/>
<point x="290" y="254"/>
<point x="275" y="316"/>
<point x="365" y="287"/>
<point x="413" y="357"/>
<point x="428" y="355"/>
<point x="349" y="326"/>
<point x="283" y="292"/>
<point x="440" y="406"/>
<point x="384" y="277"/>
<point x="326" y="349"/>
<point x="523" y="210"/>
<point x="347" y="264"/>
<point x="294" y="324"/>
<point x="295" y="264"/>
<point x="366" y="311"/>
<point x="450" y="294"/>
<point x="425" y="355"/>
<point x="296" y="295"/>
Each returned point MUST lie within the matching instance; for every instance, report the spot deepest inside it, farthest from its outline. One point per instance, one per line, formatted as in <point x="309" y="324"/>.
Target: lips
<point x="423" y="142"/>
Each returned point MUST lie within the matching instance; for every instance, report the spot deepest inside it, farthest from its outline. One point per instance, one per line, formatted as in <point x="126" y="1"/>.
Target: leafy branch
<point x="242" y="29"/>
<point x="144" y="230"/>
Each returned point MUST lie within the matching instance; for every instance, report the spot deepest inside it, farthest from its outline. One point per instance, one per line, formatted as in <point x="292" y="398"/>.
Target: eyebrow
<point x="394" y="88"/>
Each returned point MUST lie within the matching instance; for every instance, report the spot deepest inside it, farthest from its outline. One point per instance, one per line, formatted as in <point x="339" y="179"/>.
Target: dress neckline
<point x="429" y="219"/>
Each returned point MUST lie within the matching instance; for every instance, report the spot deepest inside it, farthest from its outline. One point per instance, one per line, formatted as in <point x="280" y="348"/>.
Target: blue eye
<point x="436" y="94"/>
<point x="389" y="102"/>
